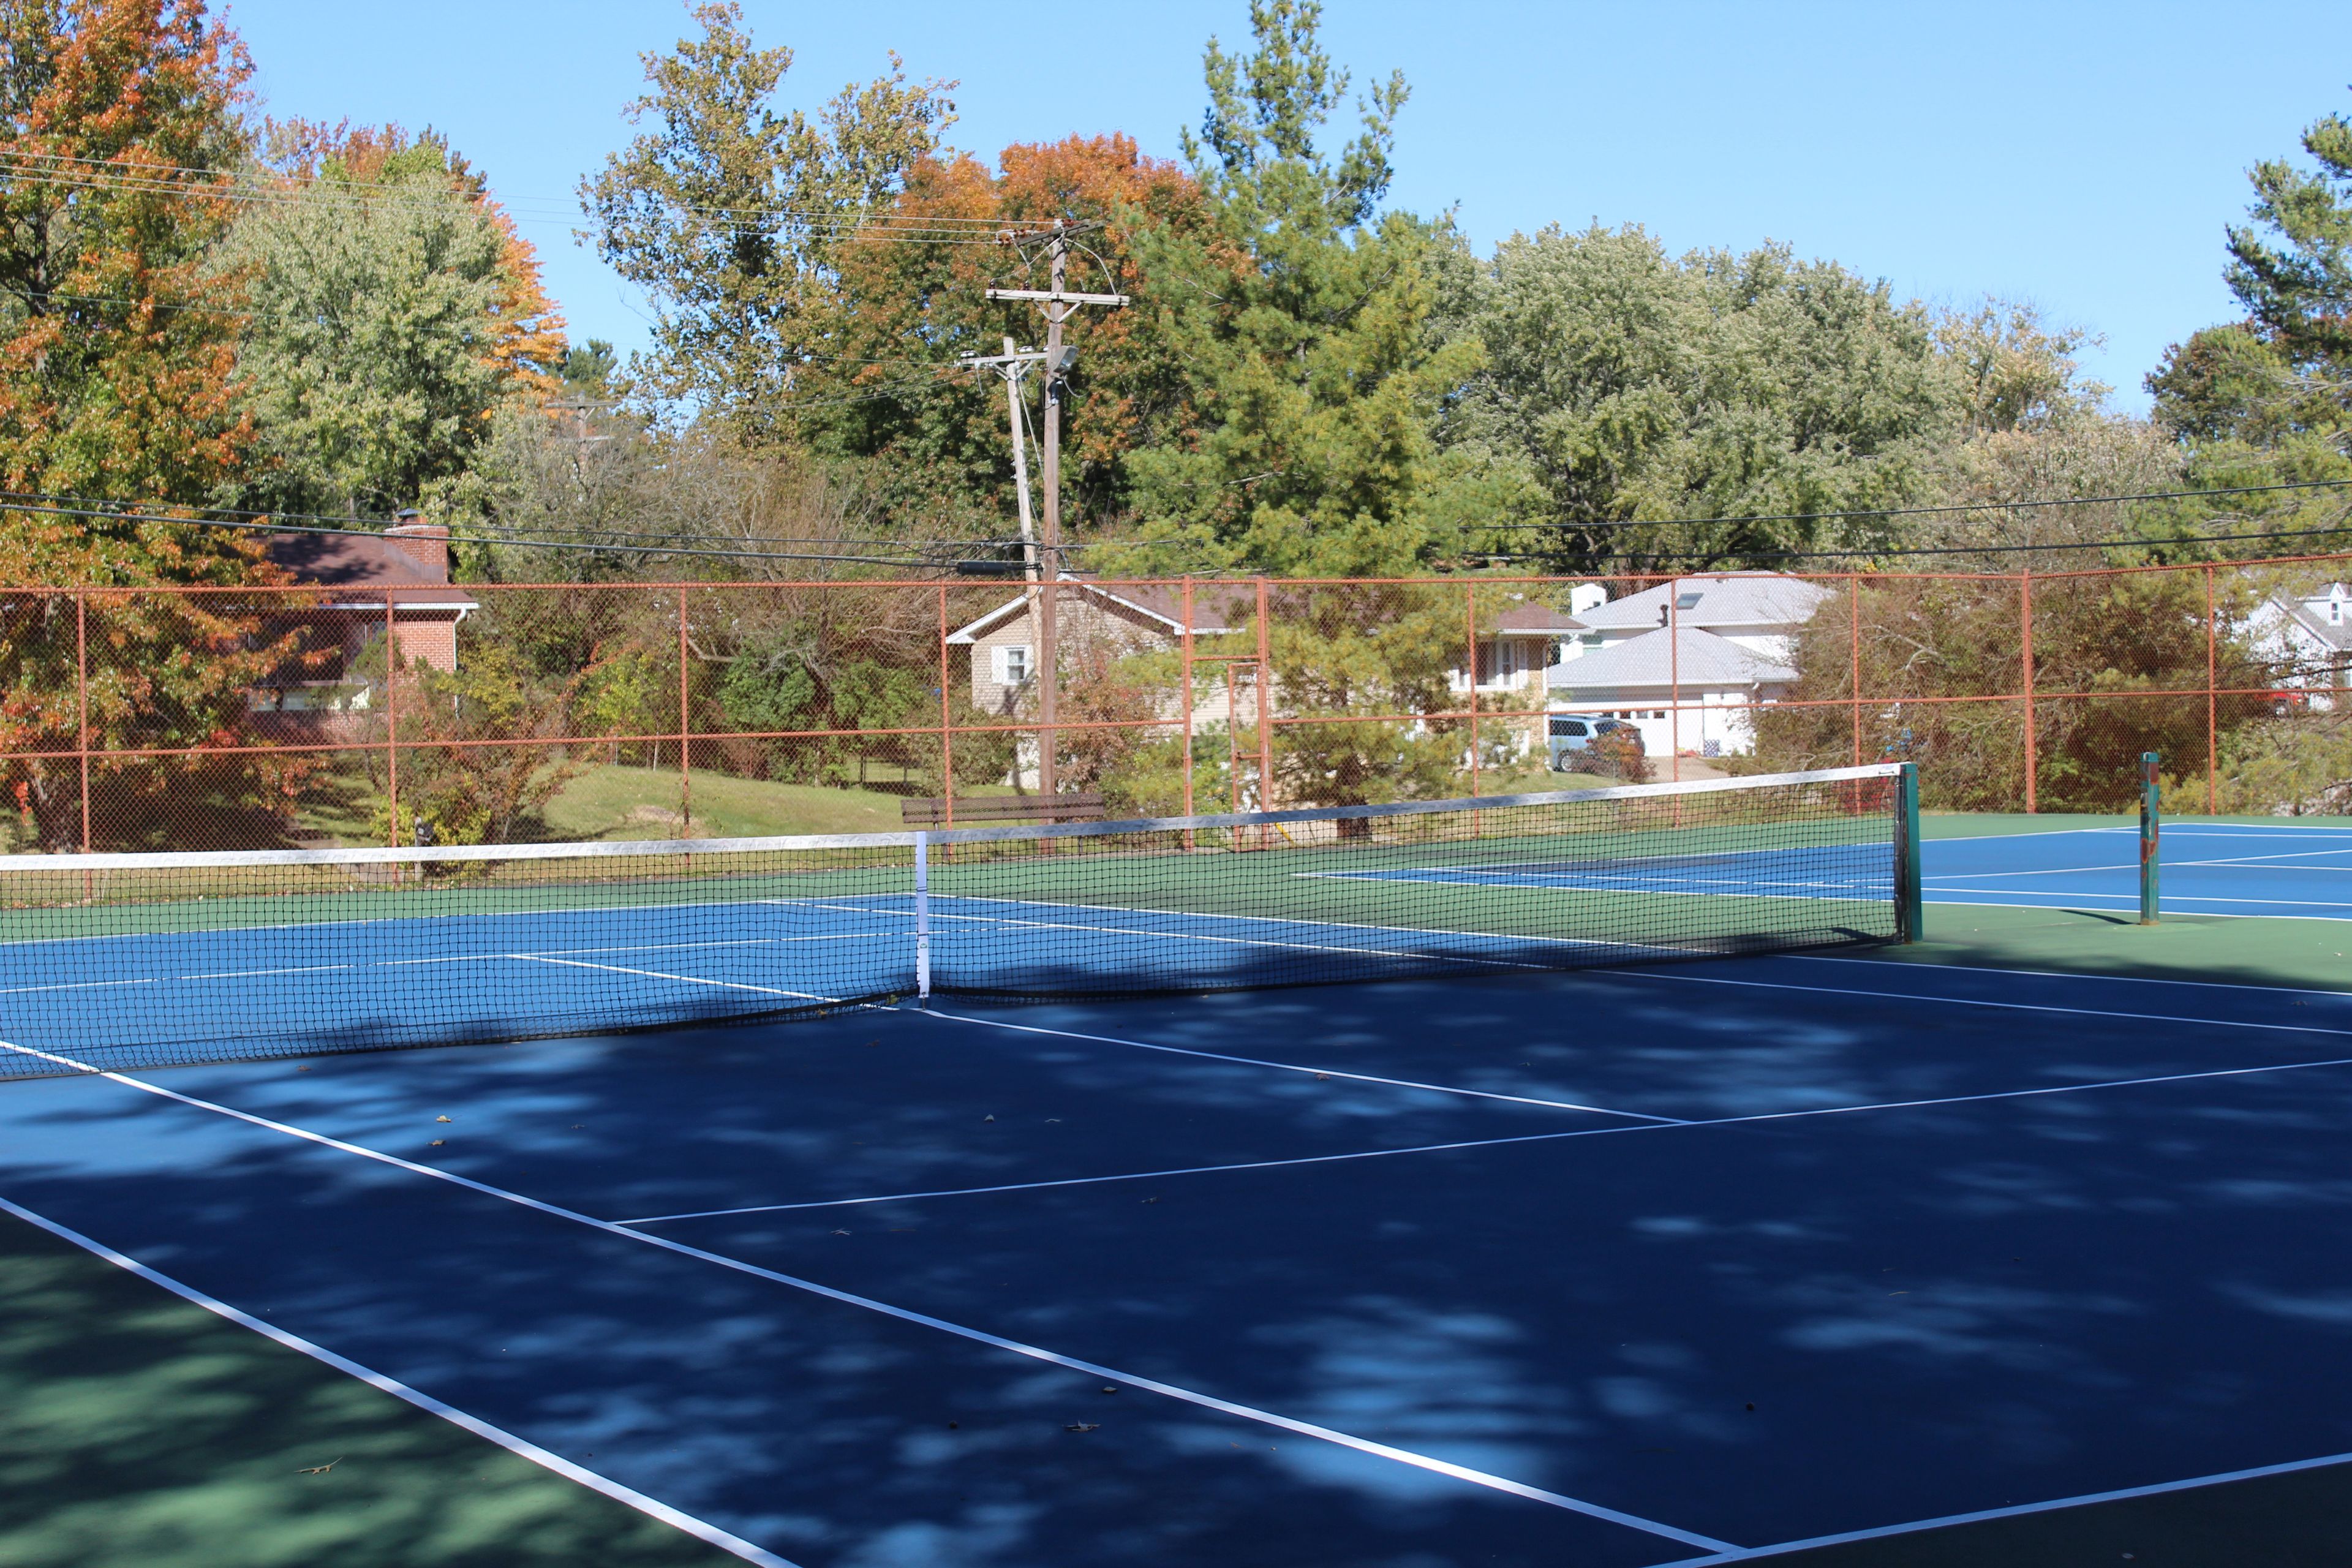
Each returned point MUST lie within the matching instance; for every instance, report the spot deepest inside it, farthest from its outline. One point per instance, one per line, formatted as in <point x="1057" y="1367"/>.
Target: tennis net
<point x="139" y="960"/>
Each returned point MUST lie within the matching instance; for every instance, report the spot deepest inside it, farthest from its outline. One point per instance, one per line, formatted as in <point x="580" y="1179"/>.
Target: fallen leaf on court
<point x="1322" y="1077"/>
<point x="440" y="1119"/>
<point x="321" y="1469"/>
<point x="1082" y="1426"/>
<point x="988" y="1119"/>
<point x="841" y="1233"/>
<point x="437" y="1143"/>
<point x="1110" y="1391"/>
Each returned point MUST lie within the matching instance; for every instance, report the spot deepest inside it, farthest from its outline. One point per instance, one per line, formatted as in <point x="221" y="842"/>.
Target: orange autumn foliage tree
<point x="119" y="137"/>
<point x="908" y="307"/>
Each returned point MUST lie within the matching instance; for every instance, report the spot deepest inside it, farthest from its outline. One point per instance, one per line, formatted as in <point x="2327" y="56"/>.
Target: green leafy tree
<point x="730" y="213"/>
<point x="1632" y="389"/>
<point x="2269" y="398"/>
<point x="1308" y="317"/>
<point x="394" y="310"/>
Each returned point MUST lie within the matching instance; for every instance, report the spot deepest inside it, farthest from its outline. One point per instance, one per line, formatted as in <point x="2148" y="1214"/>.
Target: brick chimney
<point x="426" y="543"/>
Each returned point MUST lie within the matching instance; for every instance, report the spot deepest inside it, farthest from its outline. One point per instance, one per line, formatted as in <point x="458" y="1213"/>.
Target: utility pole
<point x="1013" y="364"/>
<point x="1060" y="306"/>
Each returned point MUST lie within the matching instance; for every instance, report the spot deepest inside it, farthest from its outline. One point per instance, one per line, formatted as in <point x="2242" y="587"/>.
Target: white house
<point x="1723" y="642"/>
<point x="1760" y="611"/>
<point x="2308" y="636"/>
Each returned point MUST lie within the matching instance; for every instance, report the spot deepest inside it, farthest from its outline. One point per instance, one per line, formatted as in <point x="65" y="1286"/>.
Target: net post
<point x="1910" y="909"/>
<point x="923" y="919"/>
<point x="2151" y="783"/>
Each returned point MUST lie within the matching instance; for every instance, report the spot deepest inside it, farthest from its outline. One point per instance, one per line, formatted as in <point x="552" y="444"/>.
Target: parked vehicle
<point x="1569" y="734"/>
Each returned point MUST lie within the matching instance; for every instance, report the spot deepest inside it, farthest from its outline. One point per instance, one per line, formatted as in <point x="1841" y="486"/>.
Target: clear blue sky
<point x="2085" y="157"/>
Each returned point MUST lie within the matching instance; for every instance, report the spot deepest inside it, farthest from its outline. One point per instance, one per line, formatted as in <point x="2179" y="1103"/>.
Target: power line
<point x="1958" y="507"/>
<point x="126" y="516"/>
<point x="2118" y="543"/>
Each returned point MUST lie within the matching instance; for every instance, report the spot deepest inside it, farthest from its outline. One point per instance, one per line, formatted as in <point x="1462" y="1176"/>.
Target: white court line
<point x="1145" y="1175"/>
<point x="1016" y="920"/>
<point x="2066" y="975"/>
<point x="629" y="1495"/>
<point x="1927" y="1103"/>
<point x="80" y="985"/>
<point x="1292" y="1067"/>
<point x="2127" y="905"/>
<point x="1572" y="881"/>
<point x="417" y="916"/>
<point x="550" y="954"/>
<point x="939" y="898"/>
<point x="682" y="979"/>
<point x="1749" y="1554"/>
<point x="2131" y="900"/>
<point x="1689" y="979"/>
<point x="923" y="1319"/>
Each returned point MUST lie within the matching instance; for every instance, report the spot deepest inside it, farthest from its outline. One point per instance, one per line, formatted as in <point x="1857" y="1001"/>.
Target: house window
<point x="1012" y="664"/>
<point x="2336" y="609"/>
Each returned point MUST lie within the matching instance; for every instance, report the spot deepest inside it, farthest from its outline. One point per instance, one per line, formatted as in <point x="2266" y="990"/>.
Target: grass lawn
<point x="625" y="801"/>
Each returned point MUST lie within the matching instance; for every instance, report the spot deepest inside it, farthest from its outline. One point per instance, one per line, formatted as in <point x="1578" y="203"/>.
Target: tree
<point x="2269" y="398"/>
<point x="1307" y="317"/>
<point x="1632" y="389"/>
<point x="120" y="138"/>
<point x="731" y="214"/>
<point x="934" y="446"/>
<point x="2296" y="279"/>
<point x="395" y="308"/>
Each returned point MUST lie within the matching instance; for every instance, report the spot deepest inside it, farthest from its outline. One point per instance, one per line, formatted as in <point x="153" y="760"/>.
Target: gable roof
<point x="1537" y="619"/>
<point x="1723" y="599"/>
<point x="366" y="561"/>
<point x="1660" y="657"/>
<point x="1158" y="604"/>
<point x="2302" y="610"/>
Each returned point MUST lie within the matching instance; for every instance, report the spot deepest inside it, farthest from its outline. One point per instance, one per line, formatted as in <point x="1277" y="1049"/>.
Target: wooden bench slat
<point x="976" y="810"/>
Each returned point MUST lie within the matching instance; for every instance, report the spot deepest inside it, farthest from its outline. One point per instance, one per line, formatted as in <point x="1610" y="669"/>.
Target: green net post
<point x="1910" y="915"/>
<point x="2149" y="828"/>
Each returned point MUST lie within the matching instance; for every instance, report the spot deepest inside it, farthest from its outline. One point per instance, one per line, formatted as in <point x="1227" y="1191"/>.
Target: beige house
<point x="1092" y="621"/>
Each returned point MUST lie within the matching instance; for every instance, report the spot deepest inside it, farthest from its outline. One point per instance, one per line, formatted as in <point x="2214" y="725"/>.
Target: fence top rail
<point x="197" y="860"/>
<point x="410" y="594"/>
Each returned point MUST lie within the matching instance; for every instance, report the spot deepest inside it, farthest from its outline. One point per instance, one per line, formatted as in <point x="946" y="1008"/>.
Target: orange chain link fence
<point x="271" y="717"/>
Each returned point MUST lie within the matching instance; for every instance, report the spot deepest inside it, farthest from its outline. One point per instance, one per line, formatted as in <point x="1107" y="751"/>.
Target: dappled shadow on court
<point x="1762" y="1332"/>
<point x="830" y="1432"/>
<point x="137" y="1429"/>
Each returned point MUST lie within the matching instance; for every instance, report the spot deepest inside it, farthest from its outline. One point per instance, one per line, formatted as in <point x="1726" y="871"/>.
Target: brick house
<point x="328" y="693"/>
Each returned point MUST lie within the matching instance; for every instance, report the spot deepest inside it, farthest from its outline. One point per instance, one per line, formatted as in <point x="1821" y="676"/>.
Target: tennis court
<point x="2219" y="867"/>
<point x="1483" y="1257"/>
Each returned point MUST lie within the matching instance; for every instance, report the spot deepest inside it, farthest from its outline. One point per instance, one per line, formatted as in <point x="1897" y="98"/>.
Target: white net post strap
<point x="922" y="917"/>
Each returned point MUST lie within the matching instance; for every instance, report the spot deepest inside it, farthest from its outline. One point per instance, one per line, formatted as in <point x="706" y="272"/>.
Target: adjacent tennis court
<point x="1520" y="1248"/>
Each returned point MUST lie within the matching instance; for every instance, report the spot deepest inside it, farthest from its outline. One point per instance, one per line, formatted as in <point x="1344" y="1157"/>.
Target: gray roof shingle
<point x="1659" y="657"/>
<point x="1723" y="599"/>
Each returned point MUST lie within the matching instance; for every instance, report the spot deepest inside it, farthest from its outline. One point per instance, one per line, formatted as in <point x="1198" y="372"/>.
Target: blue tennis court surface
<point x="2207" y="868"/>
<point x="1665" y="1264"/>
